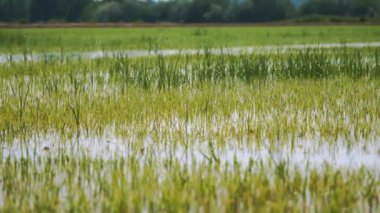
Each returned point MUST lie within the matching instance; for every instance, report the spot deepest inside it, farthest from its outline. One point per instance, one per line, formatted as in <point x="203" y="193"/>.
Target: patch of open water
<point x="303" y="154"/>
<point x="168" y="52"/>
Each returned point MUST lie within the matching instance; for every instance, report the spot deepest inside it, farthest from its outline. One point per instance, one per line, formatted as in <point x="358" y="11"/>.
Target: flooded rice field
<point x="272" y="131"/>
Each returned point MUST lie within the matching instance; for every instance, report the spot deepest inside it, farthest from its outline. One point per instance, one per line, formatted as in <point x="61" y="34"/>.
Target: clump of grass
<point x="159" y="105"/>
<point x="66" y="183"/>
<point x="76" y="95"/>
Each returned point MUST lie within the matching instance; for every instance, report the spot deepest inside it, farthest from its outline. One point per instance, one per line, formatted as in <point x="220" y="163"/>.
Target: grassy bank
<point x="79" y="39"/>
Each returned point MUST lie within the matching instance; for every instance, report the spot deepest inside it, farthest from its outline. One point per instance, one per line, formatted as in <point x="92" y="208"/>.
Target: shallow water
<point x="168" y="52"/>
<point x="301" y="154"/>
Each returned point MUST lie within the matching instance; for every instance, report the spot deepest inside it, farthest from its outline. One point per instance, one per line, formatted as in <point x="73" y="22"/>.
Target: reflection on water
<point x="168" y="52"/>
<point x="302" y="154"/>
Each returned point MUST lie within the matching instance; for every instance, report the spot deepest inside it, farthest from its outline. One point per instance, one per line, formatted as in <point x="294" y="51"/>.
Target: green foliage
<point x="108" y="12"/>
<point x="42" y="10"/>
<point x="153" y="38"/>
<point x="190" y="11"/>
<point x="164" y="128"/>
<point x="364" y="8"/>
<point x="76" y="97"/>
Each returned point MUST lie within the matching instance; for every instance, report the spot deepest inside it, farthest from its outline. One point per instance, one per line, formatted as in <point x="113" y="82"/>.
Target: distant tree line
<point x="181" y="11"/>
<point x="364" y="8"/>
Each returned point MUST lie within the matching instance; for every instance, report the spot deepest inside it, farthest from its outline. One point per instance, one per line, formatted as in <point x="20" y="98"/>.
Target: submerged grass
<point x="297" y="93"/>
<point x="65" y="183"/>
<point x="179" y="102"/>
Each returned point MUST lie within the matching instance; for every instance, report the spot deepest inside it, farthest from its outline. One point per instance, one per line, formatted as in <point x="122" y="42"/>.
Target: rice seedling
<point x="295" y="131"/>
